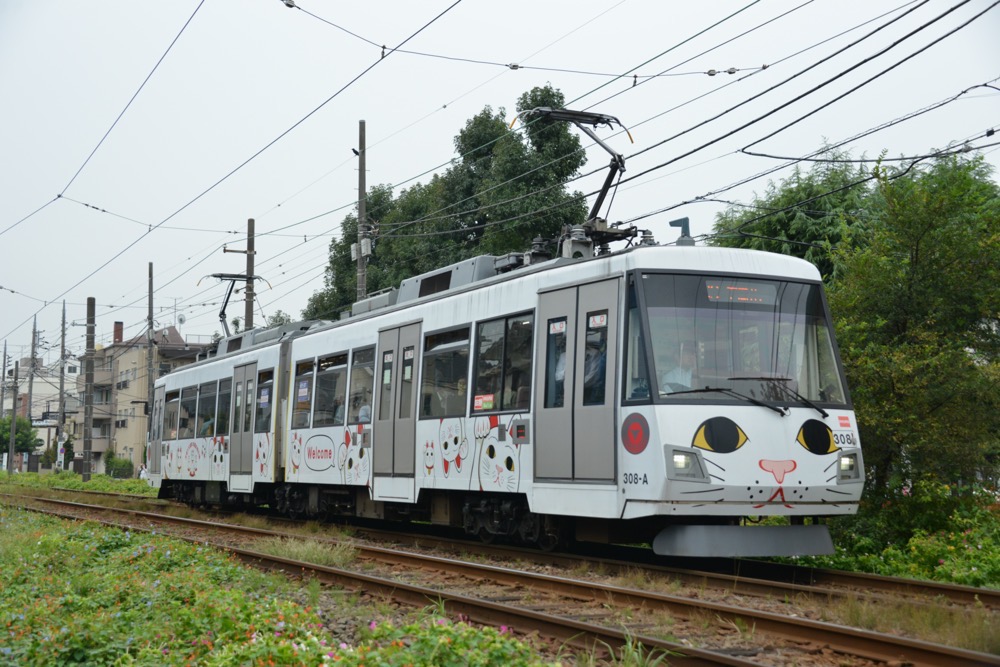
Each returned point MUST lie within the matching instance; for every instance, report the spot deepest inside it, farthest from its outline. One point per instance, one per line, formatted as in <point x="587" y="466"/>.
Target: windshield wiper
<point x="730" y="392"/>
<point x="780" y="383"/>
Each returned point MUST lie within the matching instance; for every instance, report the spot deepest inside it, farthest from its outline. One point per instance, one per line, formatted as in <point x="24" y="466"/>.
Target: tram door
<point x="394" y="446"/>
<point x="154" y="457"/>
<point x="575" y="380"/>
<point x="241" y="441"/>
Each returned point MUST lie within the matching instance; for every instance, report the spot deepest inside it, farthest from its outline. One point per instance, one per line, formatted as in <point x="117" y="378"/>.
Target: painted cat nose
<point x="778" y="468"/>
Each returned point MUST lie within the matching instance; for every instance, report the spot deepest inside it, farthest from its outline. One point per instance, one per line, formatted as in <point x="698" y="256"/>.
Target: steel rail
<point x="863" y="643"/>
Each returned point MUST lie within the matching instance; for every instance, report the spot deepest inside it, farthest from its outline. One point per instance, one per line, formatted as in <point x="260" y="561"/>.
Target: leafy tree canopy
<point x="918" y="314"/>
<point x="797" y="216"/>
<point x="504" y="189"/>
<point x="24" y="435"/>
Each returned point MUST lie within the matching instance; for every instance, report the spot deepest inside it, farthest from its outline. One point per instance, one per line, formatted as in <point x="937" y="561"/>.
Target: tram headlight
<point x="684" y="464"/>
<point x="848" y="467"/>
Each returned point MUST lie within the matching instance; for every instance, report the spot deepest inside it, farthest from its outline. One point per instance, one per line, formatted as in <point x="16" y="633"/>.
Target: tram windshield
<point x="769" y="340"/>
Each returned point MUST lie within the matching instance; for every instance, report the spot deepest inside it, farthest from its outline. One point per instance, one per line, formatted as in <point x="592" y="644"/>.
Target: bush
<point x="906" y="537"/>
<point x="118" y="468"/>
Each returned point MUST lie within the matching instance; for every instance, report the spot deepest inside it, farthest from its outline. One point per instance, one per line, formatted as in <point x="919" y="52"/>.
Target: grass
<point x="934" y="621"/>
<point x="310" y="551"/>
<point x="87" y="594"/>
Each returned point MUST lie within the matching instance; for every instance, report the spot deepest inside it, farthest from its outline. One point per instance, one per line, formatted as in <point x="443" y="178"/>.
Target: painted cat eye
<point x="817" y="438"/>
<point x="719" y="434"/>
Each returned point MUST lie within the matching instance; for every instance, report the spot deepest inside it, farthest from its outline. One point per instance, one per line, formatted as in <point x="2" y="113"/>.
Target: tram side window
<point x="595" y="361"/>
<point x="170" y="414"/>
<point x="157" y="422"/>
<point x="406" y="383"/>
<point x="247" y="406"/>
<point x="503" y="364"/>
<point x="555" y="365"/>
<point x="636" y="378"/>
<point x="385" y="394"/>
<point x="331" y="389"/>
<point x="362" y="384"/>
<point x="189" y="403"/>
<point x="225" y="399"/>
<point x="302" y="401"/>
<point x="265" y="401"/>
<point x="443" y="391"/>
<point x="206" y="410"/>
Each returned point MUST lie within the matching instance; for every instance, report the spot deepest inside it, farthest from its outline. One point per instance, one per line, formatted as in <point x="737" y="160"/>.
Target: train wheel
<point x="551" y="536"/>
<point x="486" y="537"/>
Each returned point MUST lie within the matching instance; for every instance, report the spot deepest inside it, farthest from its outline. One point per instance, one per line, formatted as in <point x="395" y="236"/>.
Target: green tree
<point x="279" y="318"/>
<point x="523" y="188"/>
<point x="802" y="214"/>
<point x="24" y="435"/>
<point x="503" y="190"/>
<point x="68" y="450"/>
<point x="917" y="308"/>
<point x="117" y="467"/>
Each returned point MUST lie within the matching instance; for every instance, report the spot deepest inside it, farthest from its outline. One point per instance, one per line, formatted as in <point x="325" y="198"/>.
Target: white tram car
<point x="661" y="394"/>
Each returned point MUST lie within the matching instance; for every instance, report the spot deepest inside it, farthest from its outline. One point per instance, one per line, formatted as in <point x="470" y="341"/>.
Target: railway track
<point x="582" y="613"/>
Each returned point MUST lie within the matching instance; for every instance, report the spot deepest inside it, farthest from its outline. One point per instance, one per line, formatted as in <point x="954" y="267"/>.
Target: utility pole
<point x="60" y="445"/>
<point x="248" y="309"/>
<point x="13" y="426"/>
<point x="3" y="383"/>
<point x="88" y="397"/>
<point x="31" y="366"/>
<point x="364" y="243"/>
<point x="248" y="313"/>
<point x="149" y="359"/>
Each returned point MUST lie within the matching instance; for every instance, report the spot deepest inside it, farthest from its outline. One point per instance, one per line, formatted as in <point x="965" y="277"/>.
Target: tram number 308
<point x="635" y="478"/>
<point x="844" y="439"/>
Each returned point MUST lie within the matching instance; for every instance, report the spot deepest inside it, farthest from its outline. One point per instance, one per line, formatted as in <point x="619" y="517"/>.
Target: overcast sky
<point x="136" y="132"/>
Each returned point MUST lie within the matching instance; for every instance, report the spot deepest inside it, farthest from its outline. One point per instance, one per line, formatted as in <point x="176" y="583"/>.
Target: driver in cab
<point x="678" y="378"/>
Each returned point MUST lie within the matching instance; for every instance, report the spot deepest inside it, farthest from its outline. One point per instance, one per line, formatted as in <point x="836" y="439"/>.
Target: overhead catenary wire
<point x="716" y="24"/>
<point x="134" y="96"/>
<point x="247" y="161"/>
<point x="300" y="246"/>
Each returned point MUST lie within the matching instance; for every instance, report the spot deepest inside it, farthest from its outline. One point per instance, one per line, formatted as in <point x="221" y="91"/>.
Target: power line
<point x="248" y="160"/>
<point x="134" y="95"/>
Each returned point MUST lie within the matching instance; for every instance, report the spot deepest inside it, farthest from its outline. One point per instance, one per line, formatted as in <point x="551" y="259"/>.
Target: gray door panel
<point x="383" y="442"/>
<point x="554" y="380"/>
<point x="241" y="422"/>
<point x="156" y="432"/>
<point x="394" y="425"/>
<point x="405" y="434"/>
<point x="576" y="380"/>
<point x="594" y="395"/>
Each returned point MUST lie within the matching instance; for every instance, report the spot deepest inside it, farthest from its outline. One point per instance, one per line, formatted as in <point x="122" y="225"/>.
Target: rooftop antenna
<point x="685" y="237"/>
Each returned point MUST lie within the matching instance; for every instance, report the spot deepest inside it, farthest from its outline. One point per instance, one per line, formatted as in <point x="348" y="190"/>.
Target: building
<point x="121" y="391"/>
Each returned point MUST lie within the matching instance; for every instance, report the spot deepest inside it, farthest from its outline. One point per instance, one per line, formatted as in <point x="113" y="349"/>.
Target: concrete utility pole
<point x="60" y="445"/>
<point x="13" y="426"/>
<point x="363" y="239"/>
<point x="248" y="314"/>
<point x="88" y="395"/>
<point x="31" y="366"/>
<point x="3" y="383"/>
<point x="149" y="358"/>
<point x="248" y="279"/>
